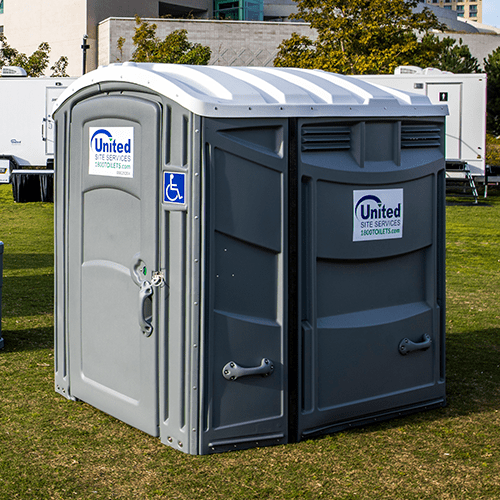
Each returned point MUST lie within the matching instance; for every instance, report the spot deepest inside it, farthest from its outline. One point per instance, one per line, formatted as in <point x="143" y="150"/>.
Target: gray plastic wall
<point x="361" y="294"/>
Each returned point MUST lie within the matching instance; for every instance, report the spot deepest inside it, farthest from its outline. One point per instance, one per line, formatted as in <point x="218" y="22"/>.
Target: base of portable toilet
<point x="248" y="256"/>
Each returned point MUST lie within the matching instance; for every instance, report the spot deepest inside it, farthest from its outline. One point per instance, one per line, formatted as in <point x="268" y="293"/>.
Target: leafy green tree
<point x="35" y="64"/>
<point x="452" y="56"/>
<point x="119" y="44"/>
<point x="492" y="68"/>
<point x="492" y="150"/>
<point x="361" y="36"/>
<point x="174" y="48"/>
<point x="59" y="67"/>
<point x="7" y="53"/>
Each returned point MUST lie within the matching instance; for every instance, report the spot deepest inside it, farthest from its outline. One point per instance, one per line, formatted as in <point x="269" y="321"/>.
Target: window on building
<point x="472" y="10"/>
<point x="178" y="11"/>
<point x="447" y="1"/>
<point x="1" y="6"/>
<point x="460" y="10"/>
<point x="448" y="7"/>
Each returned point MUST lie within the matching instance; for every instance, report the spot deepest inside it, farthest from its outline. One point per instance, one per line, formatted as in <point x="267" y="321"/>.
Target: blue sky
<point x="491" y="12"/>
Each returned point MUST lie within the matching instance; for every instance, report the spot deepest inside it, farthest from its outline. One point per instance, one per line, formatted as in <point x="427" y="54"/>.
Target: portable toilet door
<point x="112" y="244"/>
<point x="450" y="93"/>
<point x="51" y="95"/>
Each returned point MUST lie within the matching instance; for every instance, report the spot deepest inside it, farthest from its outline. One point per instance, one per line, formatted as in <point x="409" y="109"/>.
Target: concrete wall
<point x="233" y="43"/>
<point x="240" y="43"/>
<point x="480" y="44"/>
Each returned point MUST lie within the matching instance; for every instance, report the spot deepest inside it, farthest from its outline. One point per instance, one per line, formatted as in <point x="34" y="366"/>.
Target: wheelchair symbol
<point x="174" y="190"/>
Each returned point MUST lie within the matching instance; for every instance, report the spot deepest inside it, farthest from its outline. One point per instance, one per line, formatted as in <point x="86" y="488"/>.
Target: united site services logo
<point x="111" y="151"/>
<point x="378" y="214"/>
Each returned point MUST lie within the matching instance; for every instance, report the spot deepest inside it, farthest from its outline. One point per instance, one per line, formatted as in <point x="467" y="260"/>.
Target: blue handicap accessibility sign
<point x="174" y="187"/>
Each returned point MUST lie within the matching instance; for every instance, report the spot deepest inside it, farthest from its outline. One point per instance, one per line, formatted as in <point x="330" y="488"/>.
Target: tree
<point x="492" y="68"/>
<point x="59" y="67"/>
<point x="35" y="64"/>
<point x="452" y="56"/>
<point x="175" y="48"/>
<point x="120" y="43"/>
<point x="492" y="151"/>
<point x="361" y="36"/>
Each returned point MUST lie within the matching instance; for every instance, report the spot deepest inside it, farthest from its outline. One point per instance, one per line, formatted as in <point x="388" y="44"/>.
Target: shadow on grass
<point x="32" y="339"/>
<point x="27" y="260"/>
<point x="473" y="371"/>
<point x="27" y="295"/>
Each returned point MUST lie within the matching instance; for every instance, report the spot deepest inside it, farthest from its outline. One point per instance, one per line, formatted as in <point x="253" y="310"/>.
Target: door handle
<point x="406" y="345"/>
<point x="233" y="371"/>
<point x="145" y="292"/>
<point x="138" y="270"/>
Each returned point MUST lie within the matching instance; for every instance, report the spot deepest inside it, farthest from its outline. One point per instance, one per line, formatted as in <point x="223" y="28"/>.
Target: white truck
<point x="465" y="95"/>
<point x="26" y="126"/>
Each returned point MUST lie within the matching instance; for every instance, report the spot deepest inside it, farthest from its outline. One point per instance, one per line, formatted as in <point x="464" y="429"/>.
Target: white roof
<point x="223" y="92"/>
<point x="427" y="75"/>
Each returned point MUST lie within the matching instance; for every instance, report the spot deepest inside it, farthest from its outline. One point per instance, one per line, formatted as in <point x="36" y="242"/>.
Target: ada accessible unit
<point x="248" y="256"/>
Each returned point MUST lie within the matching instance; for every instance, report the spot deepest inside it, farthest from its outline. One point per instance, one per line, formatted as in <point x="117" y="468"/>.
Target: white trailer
<point x="465" y="95"/>
<point x="26" y="125"/>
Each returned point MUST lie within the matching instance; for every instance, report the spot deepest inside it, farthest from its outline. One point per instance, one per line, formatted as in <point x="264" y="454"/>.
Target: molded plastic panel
<point x="359" y="299"/>
<point x="247" y="230"/>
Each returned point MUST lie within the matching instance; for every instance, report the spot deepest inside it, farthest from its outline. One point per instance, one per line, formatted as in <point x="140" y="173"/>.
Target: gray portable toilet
<point x="248" y="256"/>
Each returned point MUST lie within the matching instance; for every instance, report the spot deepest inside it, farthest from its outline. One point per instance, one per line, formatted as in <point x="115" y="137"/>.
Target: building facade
<point x="64" y="23"/>
<point x="242" y="43"/>
<point x="233" y="43"/>
<point x="467" y="9"/>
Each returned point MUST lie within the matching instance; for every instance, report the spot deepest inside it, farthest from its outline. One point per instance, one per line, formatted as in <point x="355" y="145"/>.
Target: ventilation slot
<point x="420" y="136"/>
<point x="325" y="138"/>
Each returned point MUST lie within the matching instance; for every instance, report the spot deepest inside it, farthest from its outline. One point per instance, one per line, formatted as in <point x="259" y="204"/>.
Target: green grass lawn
<point x="51" y="448"/>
